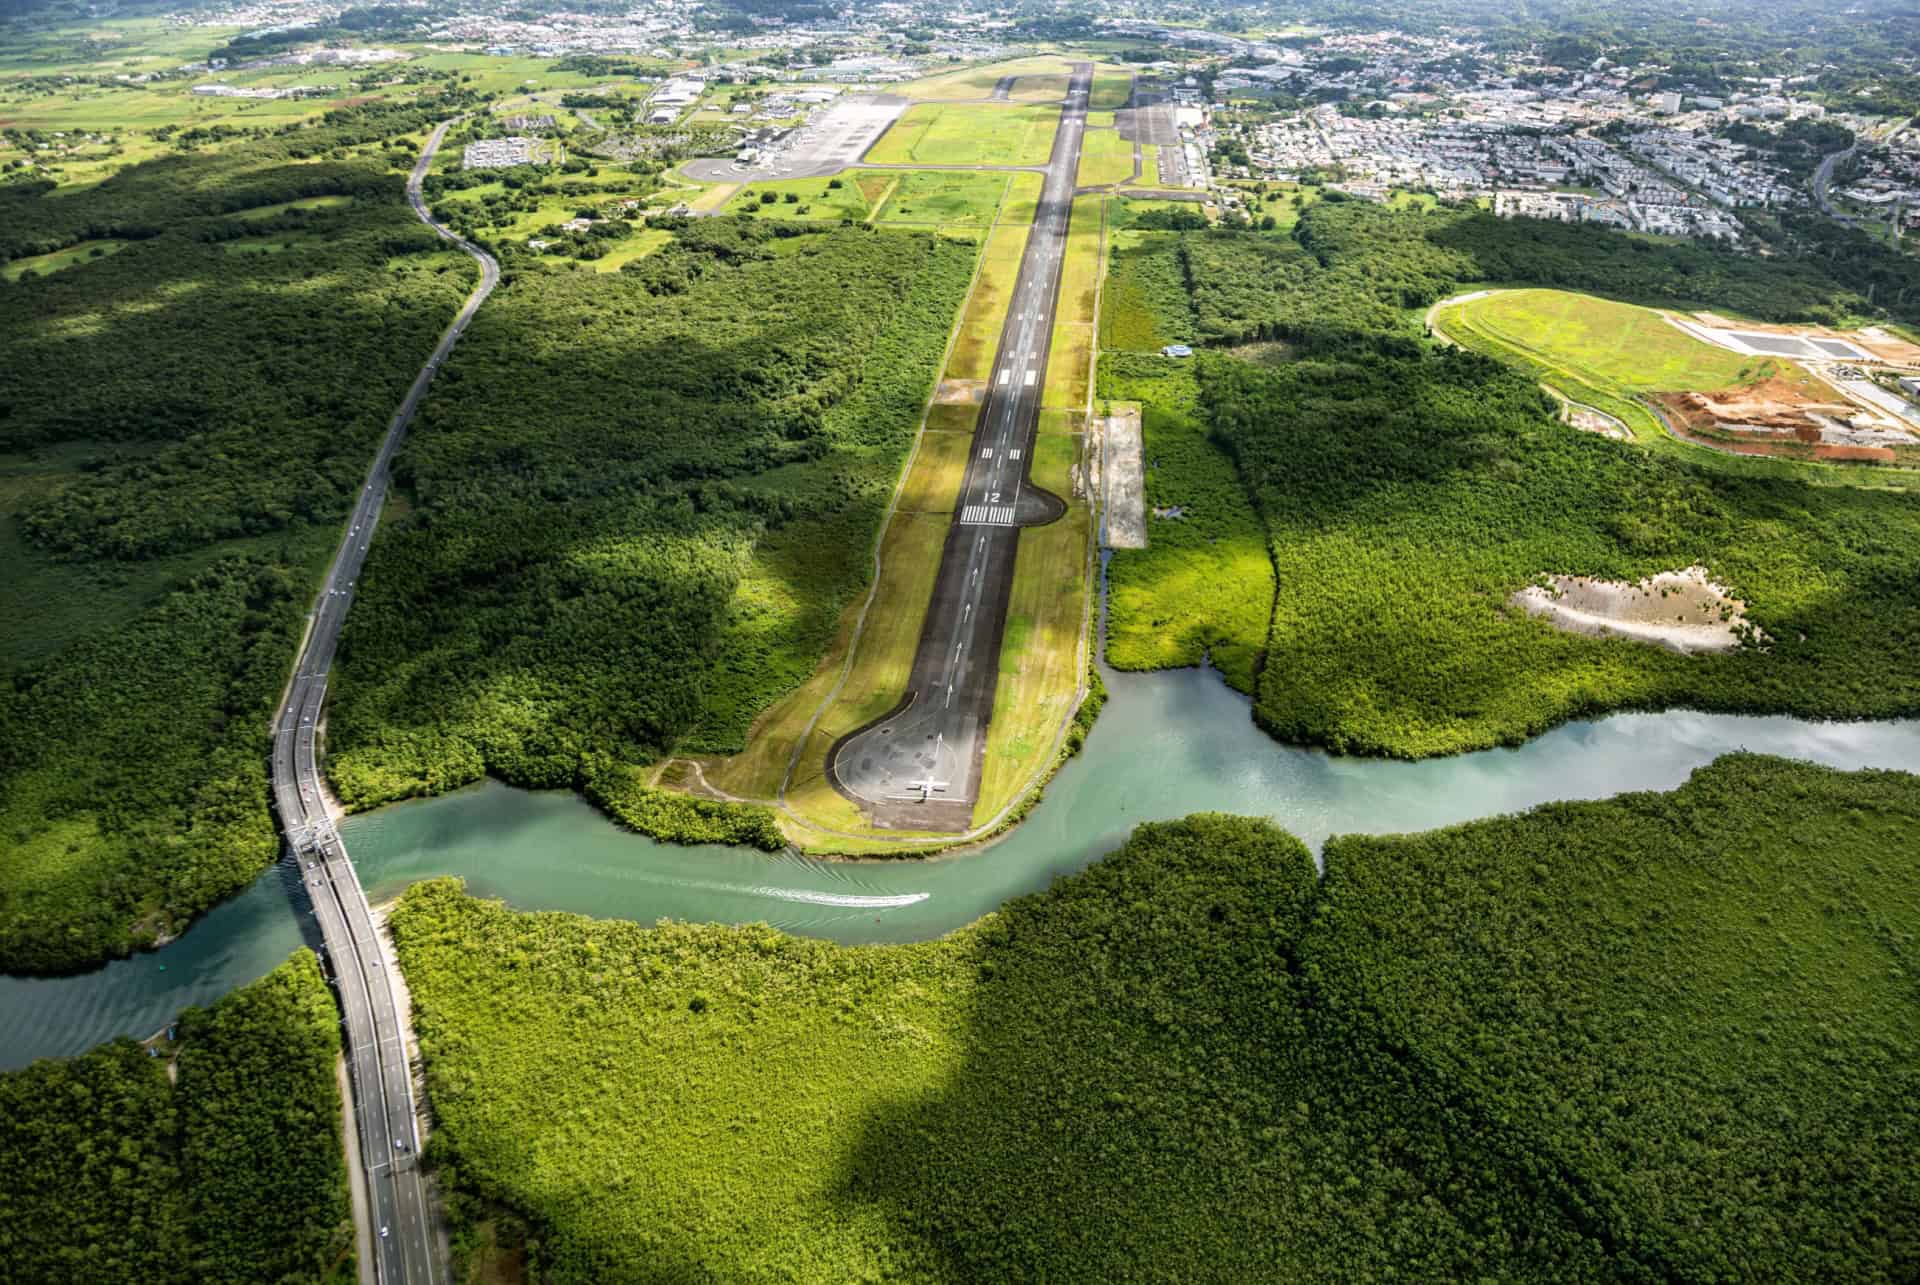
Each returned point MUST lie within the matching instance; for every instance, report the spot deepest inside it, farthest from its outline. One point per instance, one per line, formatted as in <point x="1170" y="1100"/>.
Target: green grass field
<point x="963" y="134"/>
<point x="986" y="309"/>
<point x="1040" y="658"/>
<point x="305" y="203"/>
<point x="817" y="198"/>
<point x="944" y="199"/>
<point x="1606" y="355"/>
<point x="918" y="198"/>
<point x="1202" y="589"/>
<point x="1112" y="86"/>
<point x="1045" y="88"/>
<point x="1070" y="353"/>
<point x="1616" y="343"/>
<point x="42" y="264"/>
<point x="1105" y="158"/>
<point x="933" y="484"/>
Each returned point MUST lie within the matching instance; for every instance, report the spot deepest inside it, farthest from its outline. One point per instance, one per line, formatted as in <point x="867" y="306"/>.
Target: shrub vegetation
<point x="177" y="440"/>
<point x="1408" y="493"/>
<point x="1660" y="1037"/>
<point x="1202" y="589"/>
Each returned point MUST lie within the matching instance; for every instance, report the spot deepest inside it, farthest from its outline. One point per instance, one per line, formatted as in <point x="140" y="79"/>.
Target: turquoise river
<point x="1167" y="744"/>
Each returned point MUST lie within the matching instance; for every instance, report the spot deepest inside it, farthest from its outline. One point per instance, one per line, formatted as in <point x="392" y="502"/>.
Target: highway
<point x="405" y="1237"/>
<point x="1823" y="179"/>
<point x="919" y="766"/>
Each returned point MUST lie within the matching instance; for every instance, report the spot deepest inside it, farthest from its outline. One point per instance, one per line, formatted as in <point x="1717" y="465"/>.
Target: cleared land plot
<point x="1105" y="158"/>
<point x="638" y="246"/>
<point x="965" y="134"/>
<point x="944" y="198"/>
<point x="42" y="264"/>
<point x="1683" y="611"/>
<point x="1125" y="516"/>
<point x="713" y="197"/>
<point x="1040" y="661"/>
<point x="282" y="243"/>
<point x="1741" y="412"/>
<point x="304" y="203"/>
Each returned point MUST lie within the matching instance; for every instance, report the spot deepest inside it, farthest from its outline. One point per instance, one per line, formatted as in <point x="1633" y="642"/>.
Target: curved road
<point x="404" y="1235"/>
<point x="1823" y="179"/>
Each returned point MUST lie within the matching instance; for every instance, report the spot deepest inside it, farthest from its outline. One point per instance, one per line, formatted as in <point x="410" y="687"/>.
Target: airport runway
<point x="918" y="767"/>
<point x="404" y="1235"/>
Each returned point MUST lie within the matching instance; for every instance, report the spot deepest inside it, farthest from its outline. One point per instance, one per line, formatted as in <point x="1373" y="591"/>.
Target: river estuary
<point x="1167" y="744"/>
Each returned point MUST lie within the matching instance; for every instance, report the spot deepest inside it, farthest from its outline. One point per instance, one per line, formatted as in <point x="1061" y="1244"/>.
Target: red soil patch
<point x="1771" y="417"/>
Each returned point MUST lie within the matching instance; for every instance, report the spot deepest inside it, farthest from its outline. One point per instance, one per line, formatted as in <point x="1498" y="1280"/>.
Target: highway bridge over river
<point x="404" y="1233"/>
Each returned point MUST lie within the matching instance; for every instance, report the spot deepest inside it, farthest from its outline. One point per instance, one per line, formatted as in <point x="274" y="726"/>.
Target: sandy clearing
<point x="953" y="392"/>
<point x="1683" y="611"/>
<point x="1125" y="506"/>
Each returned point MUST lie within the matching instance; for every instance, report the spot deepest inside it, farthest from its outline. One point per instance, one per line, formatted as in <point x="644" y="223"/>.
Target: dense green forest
<point x="109" y="1172"/>
<point x="1691" y="1013"/>
<point x="1407" y="491"/>
<point x="1351" y="266"/>
<point x="1657" y="1037"/>
<point x="639" y="502"/>
<point x="182" y="423"/>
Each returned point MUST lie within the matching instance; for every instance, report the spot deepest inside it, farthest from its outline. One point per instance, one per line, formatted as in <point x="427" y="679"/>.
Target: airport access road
<point x="918" y="767"/>
<point x="405" y="1235"/>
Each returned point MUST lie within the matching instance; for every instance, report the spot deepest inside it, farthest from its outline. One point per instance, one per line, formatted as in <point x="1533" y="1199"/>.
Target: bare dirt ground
<point x="1126" y="517"/>
<point x="1778" y="411"/>
<point x="1683" y="611"/>
<point x="1589" y="420"/>
<point x="960" y="391"/>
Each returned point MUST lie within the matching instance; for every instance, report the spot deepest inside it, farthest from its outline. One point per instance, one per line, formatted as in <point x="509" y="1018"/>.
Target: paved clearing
<point x="834" y="140"/>
<point x="1125" y="504"/>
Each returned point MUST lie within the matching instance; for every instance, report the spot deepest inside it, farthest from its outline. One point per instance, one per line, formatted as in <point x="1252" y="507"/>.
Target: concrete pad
<point x="833" y="140"/>
<point x="1124" y="507"/>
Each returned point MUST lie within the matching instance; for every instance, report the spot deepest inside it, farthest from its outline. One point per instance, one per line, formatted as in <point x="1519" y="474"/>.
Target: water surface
<point x="1167" y="744"/>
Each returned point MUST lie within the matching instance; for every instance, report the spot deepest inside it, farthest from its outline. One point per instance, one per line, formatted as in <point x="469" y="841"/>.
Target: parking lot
<point x="835" y="139"/>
